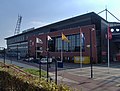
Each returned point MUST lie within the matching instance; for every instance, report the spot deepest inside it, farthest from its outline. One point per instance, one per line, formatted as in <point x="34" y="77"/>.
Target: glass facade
<point x="51" y="45"/>
<point x="58" y="44"/>
<point x="21" y="48"/>
<point x="72" y="46"/>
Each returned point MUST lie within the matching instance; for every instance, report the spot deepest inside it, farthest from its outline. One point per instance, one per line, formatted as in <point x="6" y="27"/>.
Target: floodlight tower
<point x="17" y="28"/>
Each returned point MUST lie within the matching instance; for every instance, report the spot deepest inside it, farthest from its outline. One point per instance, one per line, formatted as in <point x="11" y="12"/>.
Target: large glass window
<point x="65" y="46"/>
<point x="73" y="43"/>
<point x="77" y="45"/>
<point x="70" y="43"/>
<point x="58" y="44"/>
<point x="72" y="46"/>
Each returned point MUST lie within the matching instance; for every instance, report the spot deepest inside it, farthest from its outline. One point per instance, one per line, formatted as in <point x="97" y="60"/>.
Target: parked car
<point x="44" y="60"/>
<point x="36" y="60"/>
<point x="28" y="59"/>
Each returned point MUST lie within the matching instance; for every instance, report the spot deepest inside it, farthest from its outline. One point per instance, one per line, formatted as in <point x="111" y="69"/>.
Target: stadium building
<point x="33" y="42"/>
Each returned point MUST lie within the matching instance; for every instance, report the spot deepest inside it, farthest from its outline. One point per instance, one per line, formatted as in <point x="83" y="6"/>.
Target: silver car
<point x="44" y="60"/>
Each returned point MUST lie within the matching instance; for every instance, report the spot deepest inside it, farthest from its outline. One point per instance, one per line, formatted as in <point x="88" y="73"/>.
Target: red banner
<point x="109" y="33"/>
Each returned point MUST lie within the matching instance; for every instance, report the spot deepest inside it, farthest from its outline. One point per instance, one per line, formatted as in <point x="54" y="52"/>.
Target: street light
<point x="56" y="71"/>
<point x="91" y="58"/>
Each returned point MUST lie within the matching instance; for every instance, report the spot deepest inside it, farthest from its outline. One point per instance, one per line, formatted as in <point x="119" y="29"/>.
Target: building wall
<point x="55" y="30"/>
<point x="103" y="42"/>
<point x="85" y="29"/>
<point x="18" y="48"/>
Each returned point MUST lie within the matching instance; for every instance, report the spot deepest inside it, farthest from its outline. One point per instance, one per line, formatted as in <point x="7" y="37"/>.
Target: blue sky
<point x="37" y="13"/>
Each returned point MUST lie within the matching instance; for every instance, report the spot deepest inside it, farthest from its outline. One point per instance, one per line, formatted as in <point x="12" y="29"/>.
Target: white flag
<point x="49" y="38"/>
<point x="82" y="35"/>
<point x="39" y="41"/>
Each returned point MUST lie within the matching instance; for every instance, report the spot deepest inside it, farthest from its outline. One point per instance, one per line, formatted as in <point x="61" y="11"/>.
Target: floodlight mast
<point x="17" y="28"/>
<point x="106" y="10"/>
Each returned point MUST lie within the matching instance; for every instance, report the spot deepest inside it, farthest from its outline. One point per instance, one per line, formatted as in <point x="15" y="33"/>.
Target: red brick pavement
<point x="88" y="84"/>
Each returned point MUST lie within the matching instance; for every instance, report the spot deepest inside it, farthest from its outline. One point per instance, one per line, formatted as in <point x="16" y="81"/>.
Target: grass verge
<point x="36" y="72"/>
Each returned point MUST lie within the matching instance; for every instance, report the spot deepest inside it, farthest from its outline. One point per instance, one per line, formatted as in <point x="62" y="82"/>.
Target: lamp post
<point x="55" y="71"/>
<point x="91" y="58"/>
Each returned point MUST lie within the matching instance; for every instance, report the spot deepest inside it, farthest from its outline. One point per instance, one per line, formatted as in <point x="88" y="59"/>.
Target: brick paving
<point x="102" y="80"/>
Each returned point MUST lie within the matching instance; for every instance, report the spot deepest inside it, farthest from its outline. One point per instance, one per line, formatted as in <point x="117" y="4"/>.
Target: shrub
<point x="15" y="80"/>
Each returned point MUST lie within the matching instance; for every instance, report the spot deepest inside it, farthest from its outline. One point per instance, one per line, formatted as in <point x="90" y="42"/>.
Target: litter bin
<point x="60" y="64"/>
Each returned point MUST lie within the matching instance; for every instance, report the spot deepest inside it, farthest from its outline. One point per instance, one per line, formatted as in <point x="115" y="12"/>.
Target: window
<point x="65" y="46"/>
<point x="73" y="45"/>
<point x="70" y="43"/>
<point x="58" y="44"/>
<point x="77" y="45"/>
<point x="51" y="45"/>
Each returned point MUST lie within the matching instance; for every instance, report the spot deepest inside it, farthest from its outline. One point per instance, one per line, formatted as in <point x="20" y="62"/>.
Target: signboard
<point x="85" y="59"/>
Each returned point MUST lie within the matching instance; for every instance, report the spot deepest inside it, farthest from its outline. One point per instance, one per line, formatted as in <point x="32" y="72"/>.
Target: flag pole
<point x="47" y="58"/>
<point x="61" y="50"/>
<point x="80" y="49"/>
<point x="108" y="43"/>
<point x="64" y="38"/>
<point x="40" y="42"/>
<point x="108" y="55"/>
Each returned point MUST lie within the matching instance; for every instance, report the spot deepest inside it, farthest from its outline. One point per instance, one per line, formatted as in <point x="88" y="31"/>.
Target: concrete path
<point x="19" y="63"/>
<point x="103" y="79"/>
